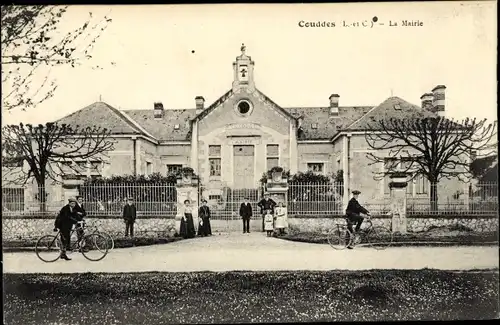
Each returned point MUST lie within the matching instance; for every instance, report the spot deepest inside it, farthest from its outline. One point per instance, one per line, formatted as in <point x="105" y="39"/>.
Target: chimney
<point x="334" y="104"/>
<point x="427" y="100"/>
<point x="200" y="104"/>
<point x="158" y="110"/>
<point x="438" y="101"/>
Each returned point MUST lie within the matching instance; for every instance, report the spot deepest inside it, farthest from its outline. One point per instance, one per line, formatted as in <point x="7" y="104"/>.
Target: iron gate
<point x="224" y="203"/>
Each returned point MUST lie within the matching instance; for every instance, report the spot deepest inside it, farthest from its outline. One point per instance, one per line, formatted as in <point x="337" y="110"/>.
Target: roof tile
<point x="327" y="125"/>
<point x="163" y="128"/>
<point x="392" y="107"/>
<point x="101" y="115"/>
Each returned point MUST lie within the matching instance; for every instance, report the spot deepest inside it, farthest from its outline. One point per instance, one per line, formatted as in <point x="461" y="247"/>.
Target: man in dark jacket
<point x="353" y="213"/>
<point x="246" y="214"/>
<point x="266" y="204"/>
<point x="65" y="220"/>
<point x="81" y="213"/>
<point x="129" y="216"/>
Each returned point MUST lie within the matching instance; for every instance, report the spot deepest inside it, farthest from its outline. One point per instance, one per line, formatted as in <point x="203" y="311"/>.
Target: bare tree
<point x="435" y="147"/>
<point x="45" y="148"/>
<point x="32" y="38"/>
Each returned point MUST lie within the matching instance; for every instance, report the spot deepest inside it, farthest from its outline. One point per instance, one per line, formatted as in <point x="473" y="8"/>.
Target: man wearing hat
<point x="129" y="216"/>
<point x="65" y="220"/>
<point x="266" y="204"/>
<point x="353" y="212"/>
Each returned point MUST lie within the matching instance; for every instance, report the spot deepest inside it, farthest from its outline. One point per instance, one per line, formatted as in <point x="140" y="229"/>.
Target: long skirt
<point x="187" y="227"/>
<point x="280" y="222"/>
<point x="204" y="228"/>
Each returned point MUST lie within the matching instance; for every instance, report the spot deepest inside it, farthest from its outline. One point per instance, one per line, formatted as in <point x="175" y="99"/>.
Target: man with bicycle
<point x="65" y="220"/>
<point x="353" y="213"/>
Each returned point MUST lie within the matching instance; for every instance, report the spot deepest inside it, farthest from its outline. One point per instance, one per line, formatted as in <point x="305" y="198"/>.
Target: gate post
<point x="277" y="187"/>
<point x="398" y="186"/>
<point x="187" y="189"/>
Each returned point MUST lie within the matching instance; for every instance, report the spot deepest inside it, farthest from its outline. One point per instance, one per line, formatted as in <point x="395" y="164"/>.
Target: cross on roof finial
<point x="243" y="48"/>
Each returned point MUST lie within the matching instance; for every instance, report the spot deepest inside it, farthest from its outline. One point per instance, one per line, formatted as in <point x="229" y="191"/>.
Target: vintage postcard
<point x="249" y="163"/>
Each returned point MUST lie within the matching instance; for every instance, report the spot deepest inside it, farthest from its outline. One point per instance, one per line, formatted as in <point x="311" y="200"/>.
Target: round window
<point x="244" y="107"/>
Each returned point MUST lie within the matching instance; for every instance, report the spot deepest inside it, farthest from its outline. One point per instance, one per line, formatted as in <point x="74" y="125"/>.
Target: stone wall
<point x="34" y="227"/>
<point x="20" y="228"/>
<point x="30" y="228"/>
<point x="415" y="224"/>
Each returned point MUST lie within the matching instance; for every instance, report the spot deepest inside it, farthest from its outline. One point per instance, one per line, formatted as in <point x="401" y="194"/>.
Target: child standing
<point x="269" y="223"/>
<point x="280" y="218"/>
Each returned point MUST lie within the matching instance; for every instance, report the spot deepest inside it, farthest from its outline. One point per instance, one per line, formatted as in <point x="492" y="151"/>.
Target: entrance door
<point x="243" y="166"/>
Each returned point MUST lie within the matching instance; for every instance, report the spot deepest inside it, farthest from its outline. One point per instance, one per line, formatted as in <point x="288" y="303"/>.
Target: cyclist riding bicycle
<point x="353" y="214"/>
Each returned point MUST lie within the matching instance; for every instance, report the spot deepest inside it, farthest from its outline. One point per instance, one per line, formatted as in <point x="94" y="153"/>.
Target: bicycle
<point x="51" y="244"/>
<point x="110" y="240"/>
<point x="377" y="237"/>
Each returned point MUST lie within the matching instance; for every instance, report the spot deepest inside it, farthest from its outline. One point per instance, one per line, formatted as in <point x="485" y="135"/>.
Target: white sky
<point x="294" y="66"/>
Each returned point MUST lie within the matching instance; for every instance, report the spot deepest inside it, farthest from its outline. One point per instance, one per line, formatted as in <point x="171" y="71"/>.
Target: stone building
<point x="244" y="133"/>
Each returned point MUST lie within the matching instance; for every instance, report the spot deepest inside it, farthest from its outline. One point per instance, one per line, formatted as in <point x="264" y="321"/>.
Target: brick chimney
<point x="334" y="104"/>
<point x="158" y="110"/>
<point x="200" y="104"/>
<point x="438" y="102"/>
<point x="427" y="100"/>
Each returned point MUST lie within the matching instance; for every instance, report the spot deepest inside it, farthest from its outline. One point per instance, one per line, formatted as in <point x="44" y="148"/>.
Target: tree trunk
<point x="434" y="197"/>
<point x="42" y="193"/>
<point x="42" y="198"/>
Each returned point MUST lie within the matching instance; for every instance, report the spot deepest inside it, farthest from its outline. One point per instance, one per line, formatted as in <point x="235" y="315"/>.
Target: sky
<point x="173" y="53"/>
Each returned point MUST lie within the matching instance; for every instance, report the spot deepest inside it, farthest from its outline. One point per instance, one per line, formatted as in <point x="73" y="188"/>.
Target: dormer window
<point x="397" y="107"/>
<point x="176" y="127"/>
<point x="314" y="125"/>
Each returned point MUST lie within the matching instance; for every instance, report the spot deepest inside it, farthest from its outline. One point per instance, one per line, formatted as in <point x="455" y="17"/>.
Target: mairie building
<point x="233" y="140"/>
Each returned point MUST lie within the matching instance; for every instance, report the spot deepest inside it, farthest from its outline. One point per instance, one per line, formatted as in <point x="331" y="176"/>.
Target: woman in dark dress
<point x="187" y="224"/>
<point x="204" y="228"/>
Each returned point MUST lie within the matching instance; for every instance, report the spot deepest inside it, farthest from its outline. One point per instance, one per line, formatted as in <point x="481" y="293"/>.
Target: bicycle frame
<point x="73" y="245"/>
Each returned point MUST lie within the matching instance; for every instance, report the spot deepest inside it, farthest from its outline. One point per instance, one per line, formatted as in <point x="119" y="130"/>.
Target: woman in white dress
<point x="280" y="213"/>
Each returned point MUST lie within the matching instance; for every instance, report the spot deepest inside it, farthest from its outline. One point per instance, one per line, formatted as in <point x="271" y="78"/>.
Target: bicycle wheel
<point x="379" y="238"/>
<point x="94" y="247"/>
<point x="111" y="242"/>
<point x="338" y="237"/>
<point x="47" y="248"/>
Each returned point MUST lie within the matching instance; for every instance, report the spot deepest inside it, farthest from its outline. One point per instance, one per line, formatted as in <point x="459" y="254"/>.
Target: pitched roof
<point x="229" y="93"/>
<point x="175" y="125"/>
<point x="318" y="124"/>
<point x="215" y="104"/>
<point x="164" y="129"/>
<point x="392" y="107"/>
<point x="101" y="115"/>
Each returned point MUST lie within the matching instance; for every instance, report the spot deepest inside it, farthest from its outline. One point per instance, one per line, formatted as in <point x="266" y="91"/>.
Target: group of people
<point x="274" y="218"/>
<point x="187" y="229"/>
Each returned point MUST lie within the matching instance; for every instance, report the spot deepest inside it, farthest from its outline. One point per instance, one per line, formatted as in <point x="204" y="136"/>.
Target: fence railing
<point x="305" y="199"/>
<point x="150" y="199"/>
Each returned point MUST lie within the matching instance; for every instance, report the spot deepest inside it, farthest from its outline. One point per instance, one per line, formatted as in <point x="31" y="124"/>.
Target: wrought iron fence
<point x="98" y="199"/>
<point x="304" y="199"/>
<point x="482" y="200"/>
<point x="315" y="199"/>
<point x="149" y="199"/>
